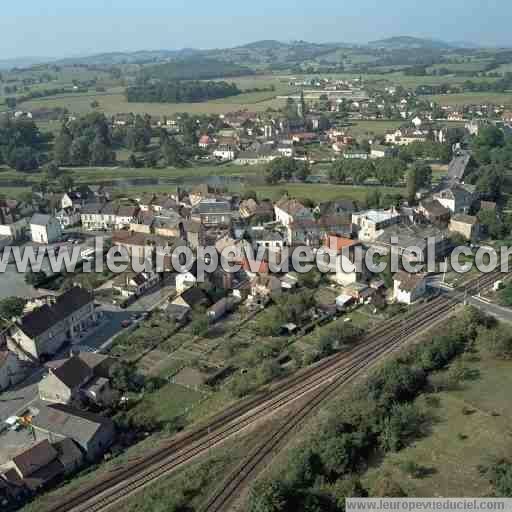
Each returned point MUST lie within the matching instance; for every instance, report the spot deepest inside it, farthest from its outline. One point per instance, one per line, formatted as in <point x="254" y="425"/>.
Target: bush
<point x="268" y="496"/>
<point x="500" y="476"/>
<point x="497" y="341"/>
<point x="403" y="423"/>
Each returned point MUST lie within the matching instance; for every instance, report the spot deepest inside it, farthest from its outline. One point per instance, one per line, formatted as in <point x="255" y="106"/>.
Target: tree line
<point x="22" y="146"/>
<point x="195" y="68"/>
<point x="386" y="171"/>
<point x="85" y="141"/>
<point x="180" y="91"/>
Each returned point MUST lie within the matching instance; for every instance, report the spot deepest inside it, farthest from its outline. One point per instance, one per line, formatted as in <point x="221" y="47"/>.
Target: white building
<point x="184" y="282"/>
<point x="339" y="255"/>
<point x="371" y="223"/>
<point x="44" y="229"/>
<point x="408" y="288"/>
<point x="289" y="210"/>
<point x="224" y="153"/>
<point x="68" y="218"/>
<point x="15" y="229"/>
<point x="458" y="198"/>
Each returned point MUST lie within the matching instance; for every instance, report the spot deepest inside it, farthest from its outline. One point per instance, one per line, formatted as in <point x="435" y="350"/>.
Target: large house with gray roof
<point x="43" y="331"/>
<point x="93" y="433"/>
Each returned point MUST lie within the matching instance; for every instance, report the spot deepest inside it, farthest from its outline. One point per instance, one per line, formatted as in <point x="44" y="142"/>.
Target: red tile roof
<point x="339" y="243"/>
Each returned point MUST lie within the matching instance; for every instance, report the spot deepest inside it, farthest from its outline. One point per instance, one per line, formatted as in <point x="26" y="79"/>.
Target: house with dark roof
<point x="125" y="215"/>
<point x="193" y="298"/>
<point x="64" y="383"/>
<point x="337" y="207"/>
<point x="213" y="212"/>
<point x="70" y="456"/>
<point x="457" y="198"/>
<point x="251" y="208"/>
<point x="91" y="218"/>
<point x="74" y="200"/>
<point x="38" y="466"/>
<point x="43" y="331"/>
<point x="74" y="377"/>
<point x="131" y="284"/>
<point x="434" y="211"/>
<point x="93" y="433"/>
<point x="311" y="231"/>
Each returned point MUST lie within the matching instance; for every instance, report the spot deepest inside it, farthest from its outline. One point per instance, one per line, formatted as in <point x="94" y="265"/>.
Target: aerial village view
<point x="261" y="276"/>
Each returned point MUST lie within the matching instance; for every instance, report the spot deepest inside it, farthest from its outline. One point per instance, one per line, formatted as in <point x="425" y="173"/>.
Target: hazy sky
<point x="58" y="28"/>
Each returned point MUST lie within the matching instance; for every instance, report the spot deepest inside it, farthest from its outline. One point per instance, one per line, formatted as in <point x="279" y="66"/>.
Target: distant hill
<point x="22" y="62"/>
<point x="138" y="57"/>
<point x="408" y="43"/>
<point x="266" y="44"/>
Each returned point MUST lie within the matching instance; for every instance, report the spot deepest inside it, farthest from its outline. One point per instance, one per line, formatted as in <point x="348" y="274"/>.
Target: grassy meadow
<point x="471" y="426"/>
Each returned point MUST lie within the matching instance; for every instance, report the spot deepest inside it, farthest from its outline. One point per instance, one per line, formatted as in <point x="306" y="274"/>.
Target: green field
<point x="167" y="403"/>
<point x="472" y="98"/>
<point x="99" y="174"/>
<point x="398" y="78"/>
<point x="113" y="100"/>
<point x="368" y="128"/>
<point x="321" y="192"/>
<point x="457" y="442"/>
<point x="115" y="103"/>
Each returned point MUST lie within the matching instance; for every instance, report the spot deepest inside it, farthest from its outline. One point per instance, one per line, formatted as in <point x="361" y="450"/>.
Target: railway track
<point x="325" y="376"/>
<point x="246" y="471"/>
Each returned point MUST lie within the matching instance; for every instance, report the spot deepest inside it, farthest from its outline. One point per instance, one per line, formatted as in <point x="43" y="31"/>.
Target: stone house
<point x="466" y="225"/>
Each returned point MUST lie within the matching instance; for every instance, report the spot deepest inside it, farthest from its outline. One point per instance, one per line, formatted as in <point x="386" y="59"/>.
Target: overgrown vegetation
<point x="379" y="417"/>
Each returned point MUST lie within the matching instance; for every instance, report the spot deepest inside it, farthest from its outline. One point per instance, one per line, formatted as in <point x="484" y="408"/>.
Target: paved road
<point x="501" y="313"/>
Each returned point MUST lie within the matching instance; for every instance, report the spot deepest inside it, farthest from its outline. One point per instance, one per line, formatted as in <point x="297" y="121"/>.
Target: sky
<point x="57" y="28"/>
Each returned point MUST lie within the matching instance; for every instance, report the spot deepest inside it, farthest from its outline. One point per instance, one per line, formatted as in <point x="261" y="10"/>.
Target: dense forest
<point x="195" y="69"/>
<point x="180" y="92"/>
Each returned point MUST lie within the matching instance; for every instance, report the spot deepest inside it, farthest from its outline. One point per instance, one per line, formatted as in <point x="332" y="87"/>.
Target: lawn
<point x="367" y="128"/>
<point x="320" y="192"/>
<point x="167" y="403"/>
<point x="458" y="442"/>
